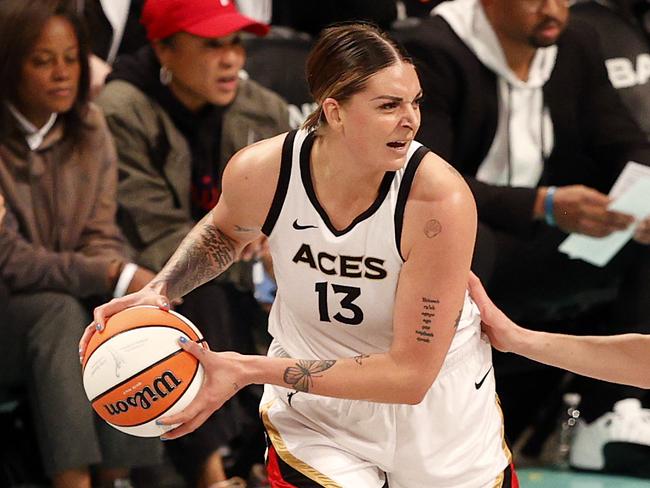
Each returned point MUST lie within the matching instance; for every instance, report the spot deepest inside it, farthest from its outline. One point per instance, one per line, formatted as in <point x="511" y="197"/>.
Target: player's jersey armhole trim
<point x="402" y="196"/>
<point x="283" y="184"/>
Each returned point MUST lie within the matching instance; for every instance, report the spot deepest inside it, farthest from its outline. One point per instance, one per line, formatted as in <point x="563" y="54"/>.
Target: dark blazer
<point x="626" y="42"/>
<point x="102" y="32"/>
<point x="594" y="135"/>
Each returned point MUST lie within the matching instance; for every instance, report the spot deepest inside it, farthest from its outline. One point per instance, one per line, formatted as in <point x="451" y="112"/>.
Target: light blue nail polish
<point x="164" y="439"/>
<point x="98" y="327"/>
<point x="182" y="340"/>
<point x="158" y="422"/>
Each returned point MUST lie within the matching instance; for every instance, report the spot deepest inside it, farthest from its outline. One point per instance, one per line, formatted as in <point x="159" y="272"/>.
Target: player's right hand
<point x="578" y="208"/>
<point x="146" y="296"/>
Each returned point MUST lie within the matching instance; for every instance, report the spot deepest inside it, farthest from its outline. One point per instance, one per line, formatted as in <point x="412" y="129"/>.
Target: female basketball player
<point x="371" y="236"/>
<point x="620" y="358"/>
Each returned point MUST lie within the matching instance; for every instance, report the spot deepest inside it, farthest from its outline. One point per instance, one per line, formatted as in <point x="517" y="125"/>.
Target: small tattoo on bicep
<point x="359" y="359"/>
<point x="432" y="228"/>
<point x="428" y="312"/>
<point x="301" y="376"/>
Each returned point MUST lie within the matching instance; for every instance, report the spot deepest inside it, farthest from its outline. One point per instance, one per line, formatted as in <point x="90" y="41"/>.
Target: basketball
<point x="135" y="371"/>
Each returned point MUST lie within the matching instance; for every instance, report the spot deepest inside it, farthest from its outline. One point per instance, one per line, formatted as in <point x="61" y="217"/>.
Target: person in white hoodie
<point x="518" y="100"/>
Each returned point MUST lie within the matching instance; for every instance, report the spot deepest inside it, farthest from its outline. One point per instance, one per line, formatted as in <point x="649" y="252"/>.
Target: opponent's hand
<point x="222" y="380"/>
<point x="501" y="331"/>
<point x="578" y="208"/>
<point x="146" y="296"/>
<point x="642" y="233"/>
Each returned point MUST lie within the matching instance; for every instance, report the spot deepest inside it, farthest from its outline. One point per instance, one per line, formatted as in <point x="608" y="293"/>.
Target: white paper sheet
<point x="631" y="194"/>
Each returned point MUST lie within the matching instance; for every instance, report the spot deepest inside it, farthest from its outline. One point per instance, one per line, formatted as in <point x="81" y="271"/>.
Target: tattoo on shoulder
<point x="301" y="376"/>
<point x="432" y="228"/>
<point x="454" y="171"/>
<point x="428" y="312"/>
<point x="359" y="359"/>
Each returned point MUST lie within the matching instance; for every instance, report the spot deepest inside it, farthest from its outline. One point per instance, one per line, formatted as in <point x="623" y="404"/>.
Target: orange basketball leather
<point x="148" y="394"/>
<point x="132" y="318"/>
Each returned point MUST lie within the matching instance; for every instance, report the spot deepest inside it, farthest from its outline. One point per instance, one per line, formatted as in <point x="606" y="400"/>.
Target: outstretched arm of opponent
<point x="437" y="243"/>
<point x="621" y="358"/>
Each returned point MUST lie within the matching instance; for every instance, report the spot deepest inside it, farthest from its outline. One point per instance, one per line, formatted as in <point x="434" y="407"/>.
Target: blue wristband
<point x="549" y="215"/>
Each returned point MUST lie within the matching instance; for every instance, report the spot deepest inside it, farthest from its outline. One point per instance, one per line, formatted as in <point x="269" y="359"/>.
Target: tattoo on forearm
<point x="432" y="228"/>
<point x="301" y="376"/>
<point x="424" y="333"/>
<point x="204" y="254"/>
<point x="359" y="359"/>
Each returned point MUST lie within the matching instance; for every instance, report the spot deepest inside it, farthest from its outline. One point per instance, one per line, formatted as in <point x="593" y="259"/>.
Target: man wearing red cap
<point x="178" y="110"/>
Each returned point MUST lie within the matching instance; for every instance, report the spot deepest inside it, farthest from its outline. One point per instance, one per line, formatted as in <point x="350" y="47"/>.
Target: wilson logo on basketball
<point x="162" y="386"/>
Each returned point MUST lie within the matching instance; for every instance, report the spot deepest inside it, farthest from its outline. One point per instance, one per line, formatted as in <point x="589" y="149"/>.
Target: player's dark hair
<point x="21" y="23"/>
<point x="344" y="57"/>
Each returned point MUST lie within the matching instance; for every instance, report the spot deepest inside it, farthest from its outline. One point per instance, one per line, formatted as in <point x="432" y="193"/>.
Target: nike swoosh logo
<point x="297" y="226"/>
<point x="480" y="383"/>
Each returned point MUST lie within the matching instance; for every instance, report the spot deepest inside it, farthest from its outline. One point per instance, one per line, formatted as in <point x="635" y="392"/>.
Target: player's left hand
<point x="642" y="234"/>
<point x="221" y="382"/>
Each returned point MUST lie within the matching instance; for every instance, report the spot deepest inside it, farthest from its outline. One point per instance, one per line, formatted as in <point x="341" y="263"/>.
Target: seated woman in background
<point x="178" y="110"/>
<point x="59" y="245"/>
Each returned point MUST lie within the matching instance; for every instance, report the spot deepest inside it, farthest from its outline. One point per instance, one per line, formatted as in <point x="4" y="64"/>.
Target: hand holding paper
<point x="584" y="210"/>
<point x="631" y="195"/>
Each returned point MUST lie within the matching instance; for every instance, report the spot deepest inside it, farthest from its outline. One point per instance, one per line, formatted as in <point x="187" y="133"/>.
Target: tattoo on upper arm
<point x="460" y="312"/>
<point x="454" y="171"/>
<point x="197" y="261"/>
<point x="424" y="333"/>
<point x="359" y="359"/>
<point x="239" y="228"/>
<point x="301" y="376"/>
<point x="432" y="228"/>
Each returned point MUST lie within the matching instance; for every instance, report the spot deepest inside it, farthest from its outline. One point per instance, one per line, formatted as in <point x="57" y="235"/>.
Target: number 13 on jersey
<point x="353" y="315"/>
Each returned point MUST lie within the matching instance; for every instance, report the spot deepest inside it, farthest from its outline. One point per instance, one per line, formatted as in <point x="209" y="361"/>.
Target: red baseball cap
<point x="204" y="18"/>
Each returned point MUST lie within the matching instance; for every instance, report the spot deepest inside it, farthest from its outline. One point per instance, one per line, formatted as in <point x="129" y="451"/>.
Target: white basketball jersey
<point x="336" y="288"/>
